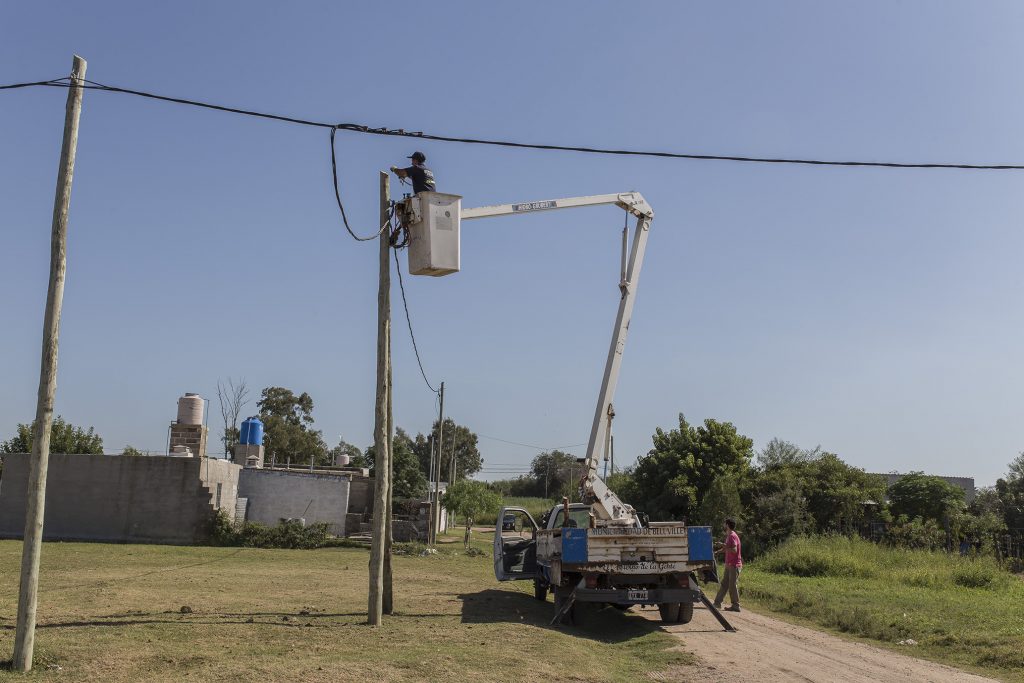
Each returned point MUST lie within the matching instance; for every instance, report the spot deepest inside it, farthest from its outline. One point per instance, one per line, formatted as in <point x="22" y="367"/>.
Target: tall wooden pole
<point x="387" y="603"/>
<point x="382" y="466"/>
<point x="25" y="633"/>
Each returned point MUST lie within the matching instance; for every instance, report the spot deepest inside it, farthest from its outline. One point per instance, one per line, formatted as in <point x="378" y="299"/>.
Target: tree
<point x="555" y="474"/>
<point x="408" y="480"/>
<point x="131" y="451"/>
<point x="672" y="479"/>
<point x="778" y="453"/>
<point x="836" y="492"/>
<point x="1011" y="493"/>
<point x="64" y="438"/>
<point x="928" y="497"/>
<point x="232" y="395"/>
<point x="470" y="499"/>
<point x="468" y="460"/>
<point x="355" y="456"/>
<point x="287" y="427"/>
<point x="722" y="500"/>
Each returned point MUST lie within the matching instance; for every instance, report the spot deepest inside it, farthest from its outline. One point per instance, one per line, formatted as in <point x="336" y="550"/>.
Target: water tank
<point x="190" y="409"/>
<point x="251" y="432"/>
<point x="343" y="460"/>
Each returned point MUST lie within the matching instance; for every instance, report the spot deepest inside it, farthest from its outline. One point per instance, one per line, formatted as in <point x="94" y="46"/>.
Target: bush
<point x="820" y="556"/>
<point x="287" y="534"/>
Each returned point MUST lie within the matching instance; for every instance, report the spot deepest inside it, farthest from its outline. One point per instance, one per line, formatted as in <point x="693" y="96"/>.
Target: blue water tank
<point x="251" y="433"/>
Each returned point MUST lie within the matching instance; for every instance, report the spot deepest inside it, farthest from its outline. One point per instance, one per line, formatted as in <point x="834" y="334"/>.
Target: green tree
<point x="836" y="492"/>
<point x="470" y="499"/>
<point x="64" y="438"/>
<point x="1011" y="493"/>
<point x="672" y="479"/>
<point x="355" y="456"/>
<point x="779" y="453"/>
<point x="408" y="481"/>
<point x="722" y="500"/>
<point x="468" y="460"/>
<point x="131" y="451"/>
<point x="288" y="427"/>
<point x="925" y="496"/>
<point x="555" y="474"/>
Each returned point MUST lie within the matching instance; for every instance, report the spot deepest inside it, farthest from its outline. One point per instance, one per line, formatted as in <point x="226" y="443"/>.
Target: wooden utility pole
<point x="381" y="439"/>
<point x="387" y="603"/>
<point x="25" y="633"/>
<point x="435" y="508"/>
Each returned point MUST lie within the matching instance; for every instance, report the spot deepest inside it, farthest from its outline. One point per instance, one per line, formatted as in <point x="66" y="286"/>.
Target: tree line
<point x="707" y="472"/>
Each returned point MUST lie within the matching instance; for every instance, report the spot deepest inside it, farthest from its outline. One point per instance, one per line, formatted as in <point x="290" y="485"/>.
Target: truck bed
<point x="659" y="548"/>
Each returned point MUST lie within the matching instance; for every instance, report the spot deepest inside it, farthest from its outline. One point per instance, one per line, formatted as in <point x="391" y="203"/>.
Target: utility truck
<point x="599" y="550"/>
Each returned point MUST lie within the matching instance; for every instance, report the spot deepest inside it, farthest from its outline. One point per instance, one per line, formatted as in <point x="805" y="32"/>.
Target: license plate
<point x="636" y="595"/>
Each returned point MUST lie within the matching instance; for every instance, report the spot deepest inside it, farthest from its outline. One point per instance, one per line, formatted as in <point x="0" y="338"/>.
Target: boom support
<point x="605" y="504"/>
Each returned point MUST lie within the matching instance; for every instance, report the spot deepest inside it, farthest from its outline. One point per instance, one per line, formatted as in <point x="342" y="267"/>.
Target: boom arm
<point x="602" y="500"/>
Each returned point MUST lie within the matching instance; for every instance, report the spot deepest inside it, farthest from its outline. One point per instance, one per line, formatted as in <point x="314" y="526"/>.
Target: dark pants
<point x="730" y="582"/>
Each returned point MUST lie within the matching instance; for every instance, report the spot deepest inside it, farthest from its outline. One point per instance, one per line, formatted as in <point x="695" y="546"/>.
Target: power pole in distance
<point x="381" y="439"/>
<point x="435" y="509"/>
<point x="28" y="595"/>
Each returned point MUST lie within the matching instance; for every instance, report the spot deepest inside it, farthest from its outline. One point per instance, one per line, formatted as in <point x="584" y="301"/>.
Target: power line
<point x="529" y="445"/>
<point x="408" y="320"/>
<point x="400" y="132"/>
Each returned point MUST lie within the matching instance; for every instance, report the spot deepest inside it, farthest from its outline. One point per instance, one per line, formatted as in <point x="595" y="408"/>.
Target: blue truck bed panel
<point x="574" y="545"/>
<point x="699" y="541"/>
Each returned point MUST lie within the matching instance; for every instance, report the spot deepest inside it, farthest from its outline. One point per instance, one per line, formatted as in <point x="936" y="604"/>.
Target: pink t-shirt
<point x="733" y="559"/>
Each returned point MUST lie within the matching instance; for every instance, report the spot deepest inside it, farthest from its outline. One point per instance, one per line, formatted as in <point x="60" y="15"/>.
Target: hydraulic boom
<point x="604" y="503"/>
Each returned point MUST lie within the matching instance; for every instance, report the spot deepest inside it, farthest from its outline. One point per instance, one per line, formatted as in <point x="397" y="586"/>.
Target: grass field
<point x="964" y="612"/>
<point x="114" y="613"/>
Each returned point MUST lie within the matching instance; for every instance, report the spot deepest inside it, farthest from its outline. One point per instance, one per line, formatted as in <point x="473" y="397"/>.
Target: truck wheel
<point x="685" y="612"/>
<point x="540" y="589"/>
<point x="669" y="612"/>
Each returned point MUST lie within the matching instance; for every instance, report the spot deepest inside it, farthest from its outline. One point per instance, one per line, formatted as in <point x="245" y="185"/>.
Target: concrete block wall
<point x="278" y="494"/>
<point x="190" y="436"/>
<point x="144" y="499"/>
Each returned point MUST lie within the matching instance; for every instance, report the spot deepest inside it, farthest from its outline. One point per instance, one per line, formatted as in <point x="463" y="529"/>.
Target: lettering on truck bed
<point x="631" y="531"/>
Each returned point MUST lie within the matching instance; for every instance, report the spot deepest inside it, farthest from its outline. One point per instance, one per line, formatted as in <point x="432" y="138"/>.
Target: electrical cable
<point x="341" y="207"/>
<point x="401" y="132"/>
<point x="528" y="445"/>
<point x="408" y="320"/>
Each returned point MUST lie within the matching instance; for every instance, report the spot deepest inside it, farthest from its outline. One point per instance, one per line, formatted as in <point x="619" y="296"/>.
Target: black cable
<point x="400" y="132"/>
<point x="341" y="207"/>
<point x="408" y="320"/>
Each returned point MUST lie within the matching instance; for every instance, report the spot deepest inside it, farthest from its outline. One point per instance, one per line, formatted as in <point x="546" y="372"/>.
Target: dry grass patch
<point x="114" y="613"/>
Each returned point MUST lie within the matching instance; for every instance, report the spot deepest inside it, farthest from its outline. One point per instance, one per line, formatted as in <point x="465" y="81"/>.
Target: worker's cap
<point x="417" y="156"/>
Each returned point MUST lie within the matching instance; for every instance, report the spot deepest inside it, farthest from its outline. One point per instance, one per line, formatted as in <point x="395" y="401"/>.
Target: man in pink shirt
<point x="733" y="565"/>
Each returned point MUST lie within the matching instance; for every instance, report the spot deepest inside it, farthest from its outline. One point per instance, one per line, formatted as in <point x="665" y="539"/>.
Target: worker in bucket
<point x="422" y="177"/>
<point x="733" y="565"/>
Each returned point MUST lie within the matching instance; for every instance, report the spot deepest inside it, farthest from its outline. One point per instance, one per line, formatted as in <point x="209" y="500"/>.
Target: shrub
<point x="821" y="556"/>
<point x="286" y="534"/>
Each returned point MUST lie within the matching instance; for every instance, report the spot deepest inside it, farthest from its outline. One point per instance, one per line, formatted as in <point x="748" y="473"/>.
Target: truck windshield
<point x="577" y="518"/>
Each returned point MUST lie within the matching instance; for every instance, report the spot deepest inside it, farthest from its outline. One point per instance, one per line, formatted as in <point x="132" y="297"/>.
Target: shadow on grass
<point x="279" y="619"/>
<point x="606" y="625"/>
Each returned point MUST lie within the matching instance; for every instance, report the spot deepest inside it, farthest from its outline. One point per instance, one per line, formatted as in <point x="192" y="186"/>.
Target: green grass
<point x="535" y="506"/>
<point x="113" y="613"/>
<point x="961" y="611"/>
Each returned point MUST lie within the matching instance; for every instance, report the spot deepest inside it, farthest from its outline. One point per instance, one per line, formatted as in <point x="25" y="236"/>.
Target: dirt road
<point x="766" y="649"/>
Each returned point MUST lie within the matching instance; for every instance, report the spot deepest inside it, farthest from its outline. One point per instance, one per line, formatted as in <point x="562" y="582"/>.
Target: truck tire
<point x="669" y="612"/>
<point x="540" y="589"/>
<point x="685" y="612"/>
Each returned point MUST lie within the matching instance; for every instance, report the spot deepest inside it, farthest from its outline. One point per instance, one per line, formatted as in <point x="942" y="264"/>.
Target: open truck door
<point x="515" y="545"/>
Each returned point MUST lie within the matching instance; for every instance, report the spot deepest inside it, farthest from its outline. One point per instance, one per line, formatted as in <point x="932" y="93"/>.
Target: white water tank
<point x="343" y="461"/>
<point x="190" y="409"/>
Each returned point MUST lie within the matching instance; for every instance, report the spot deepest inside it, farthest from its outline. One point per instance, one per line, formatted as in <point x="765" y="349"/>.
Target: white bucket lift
<point x="433" y="222"/>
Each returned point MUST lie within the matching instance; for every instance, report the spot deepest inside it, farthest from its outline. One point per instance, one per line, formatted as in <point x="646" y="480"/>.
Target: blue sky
<point x="874" y="312"/>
